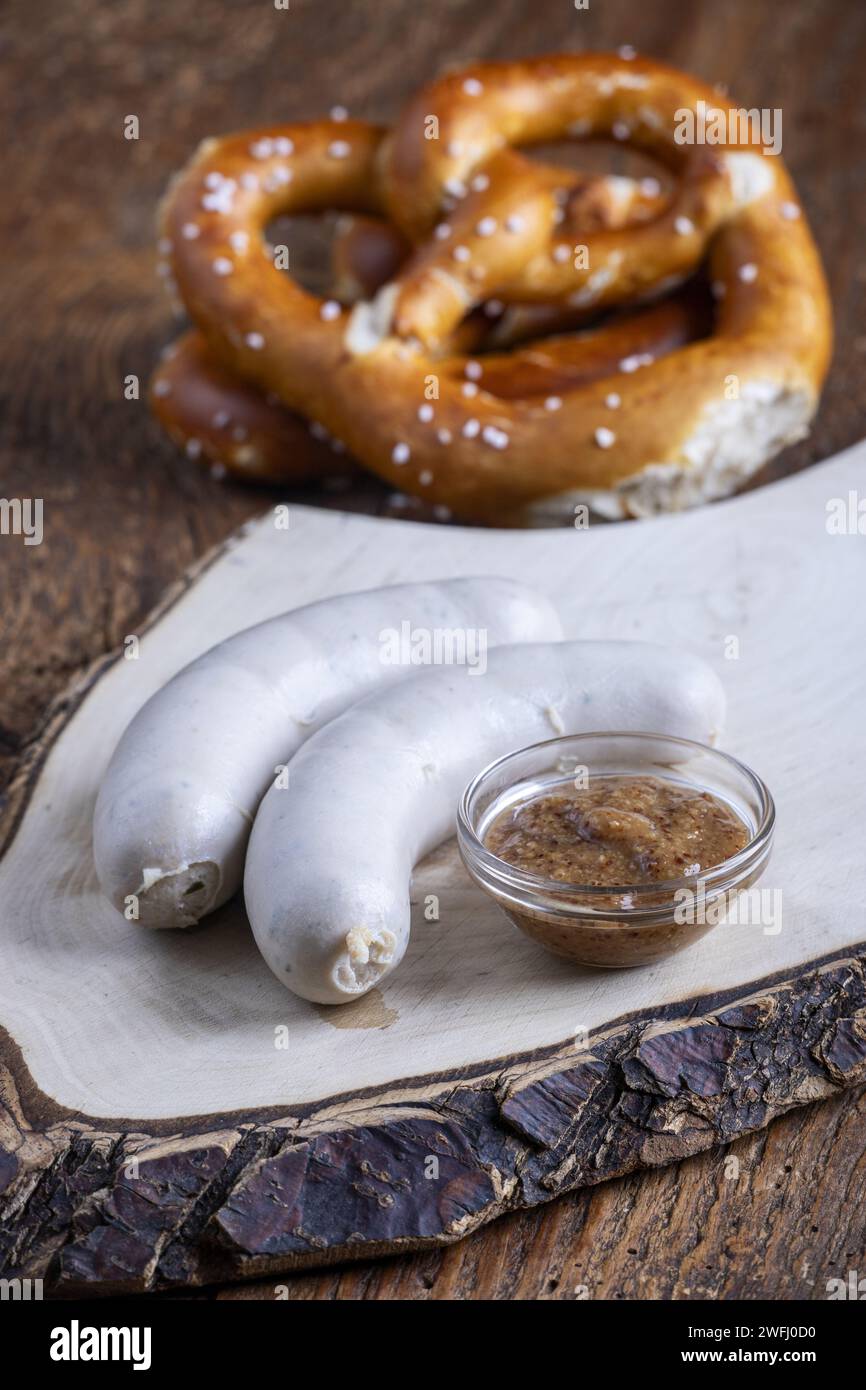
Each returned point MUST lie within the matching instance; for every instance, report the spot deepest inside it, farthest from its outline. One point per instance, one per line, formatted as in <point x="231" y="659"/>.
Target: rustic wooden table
<point x="124" y="514"/>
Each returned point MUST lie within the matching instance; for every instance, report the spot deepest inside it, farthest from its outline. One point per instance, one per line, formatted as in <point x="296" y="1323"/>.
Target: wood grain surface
<point x="124" y="514"/>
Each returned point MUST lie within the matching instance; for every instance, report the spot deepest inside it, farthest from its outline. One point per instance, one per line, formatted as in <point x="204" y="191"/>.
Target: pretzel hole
<point x="308" y="239"/>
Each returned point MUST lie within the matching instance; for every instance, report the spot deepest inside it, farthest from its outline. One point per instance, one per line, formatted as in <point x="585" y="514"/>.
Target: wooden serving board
<point x="155" y="1131"/>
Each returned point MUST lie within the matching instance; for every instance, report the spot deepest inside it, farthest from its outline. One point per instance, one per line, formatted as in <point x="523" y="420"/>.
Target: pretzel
<point x="657" y="434"/>
<point x="217" y="417"/>
<point x="221" y="419"/>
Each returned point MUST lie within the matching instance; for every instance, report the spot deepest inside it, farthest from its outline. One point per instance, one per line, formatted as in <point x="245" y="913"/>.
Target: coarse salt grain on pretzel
<point x="655" y="435"/>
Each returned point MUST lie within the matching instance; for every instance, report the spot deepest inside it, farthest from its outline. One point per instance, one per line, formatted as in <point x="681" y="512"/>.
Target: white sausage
<point x="331" y="855"/>
<point x="176" y="805"/>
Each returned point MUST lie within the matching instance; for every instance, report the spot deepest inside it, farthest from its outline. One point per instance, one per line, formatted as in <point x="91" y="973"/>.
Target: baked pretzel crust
<point x="529" y="434"/>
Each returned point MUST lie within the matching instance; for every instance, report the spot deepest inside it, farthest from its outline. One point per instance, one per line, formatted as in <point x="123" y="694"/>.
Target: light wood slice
<point x="154" y="1132"/>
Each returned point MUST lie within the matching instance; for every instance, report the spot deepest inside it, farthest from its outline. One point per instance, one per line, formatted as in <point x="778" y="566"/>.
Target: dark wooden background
<point x="124" y="514"/>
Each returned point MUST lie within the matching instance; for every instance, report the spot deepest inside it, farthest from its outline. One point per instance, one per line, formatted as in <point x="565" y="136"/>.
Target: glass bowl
<point x="628" y="924"/>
